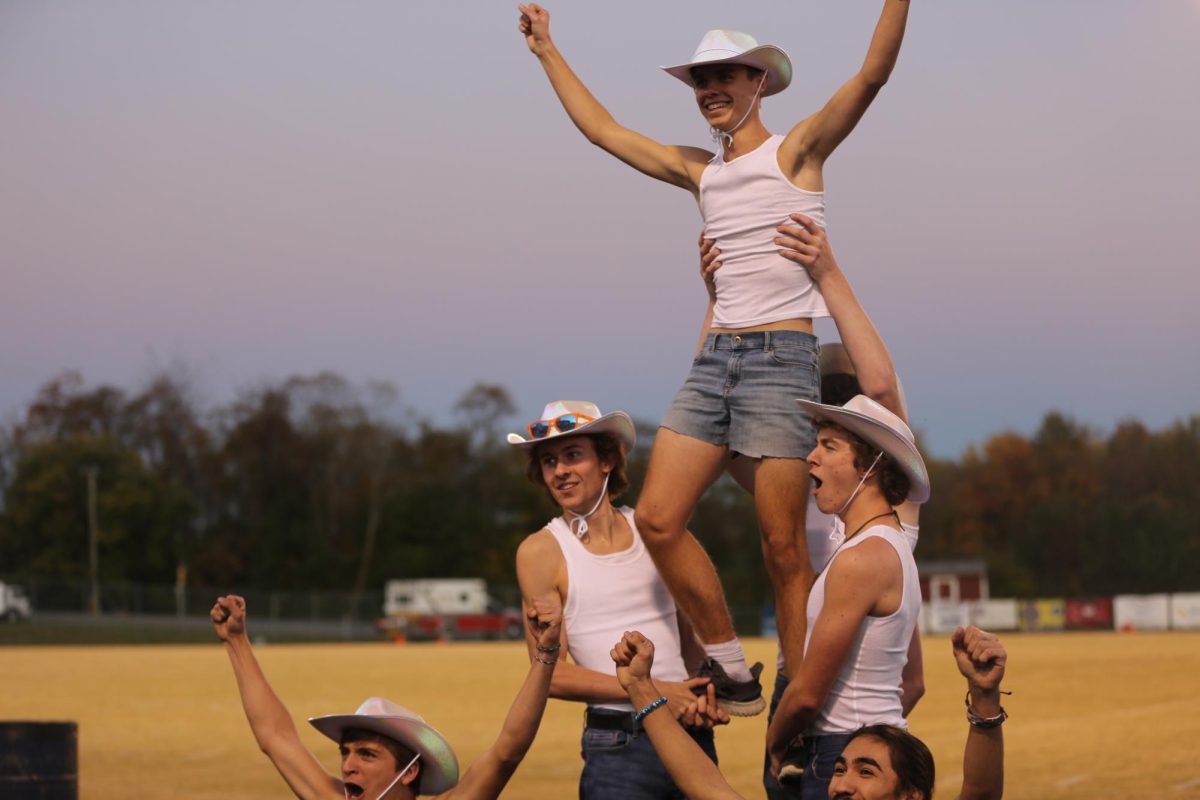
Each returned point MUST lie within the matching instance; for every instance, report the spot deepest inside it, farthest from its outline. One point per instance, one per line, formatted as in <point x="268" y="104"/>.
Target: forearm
<point x="268" y="717"/>
<point x="795" y="713"/>
<point x="912" y="679"/>
<point x="573" y="682"/>
<point x="872" y="362"/>
<point x="525" y="715"/>
<point x="983" y="759"/>
<point x="590" y="117"/>
<point x="692" y="771"/>
<point x="885" y="44"/>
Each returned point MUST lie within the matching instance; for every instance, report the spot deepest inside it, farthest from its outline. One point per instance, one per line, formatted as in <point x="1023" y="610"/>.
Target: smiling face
<point x="368" y="766"/>
<point x="725" y="92"/>
<point x="864" y="772"/>
<point x="882" y="762"/>
<point x="572" y="471"/>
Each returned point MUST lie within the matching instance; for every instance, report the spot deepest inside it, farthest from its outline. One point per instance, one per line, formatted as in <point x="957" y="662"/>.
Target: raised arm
<point x="538" y="563"/>
<point x="269" y="718"/>
<point x="489" y="773"/>
<point x="692" y="771"/>
<point x="981" y="660"/>
<point x="814" y="139"/>
<point x="680" y="166"/>
<point x="805" y="243"/>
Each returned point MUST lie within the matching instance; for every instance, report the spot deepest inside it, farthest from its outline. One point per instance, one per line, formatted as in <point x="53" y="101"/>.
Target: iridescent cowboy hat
<point x="587" y="419"/>
<point x="734" y="47"/>
<point x="875" y="425"/>
<point x="439" y="767"/>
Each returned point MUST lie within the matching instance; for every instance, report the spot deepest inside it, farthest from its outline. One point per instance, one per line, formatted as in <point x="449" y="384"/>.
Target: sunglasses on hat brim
<point x="564" y="423"/>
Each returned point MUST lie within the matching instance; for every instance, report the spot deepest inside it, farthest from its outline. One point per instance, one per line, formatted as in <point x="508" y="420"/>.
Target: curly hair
<point x="894" y="482"/>
<point x="608" y="450"/>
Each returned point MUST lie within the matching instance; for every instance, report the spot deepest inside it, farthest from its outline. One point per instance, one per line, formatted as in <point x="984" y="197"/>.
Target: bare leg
<point x="681" y="469"/>
<point x="781" y="499"/>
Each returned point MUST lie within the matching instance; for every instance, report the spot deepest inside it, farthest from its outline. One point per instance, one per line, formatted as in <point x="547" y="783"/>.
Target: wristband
<point x="984" y="722"/>
<point x="639" y="716"/>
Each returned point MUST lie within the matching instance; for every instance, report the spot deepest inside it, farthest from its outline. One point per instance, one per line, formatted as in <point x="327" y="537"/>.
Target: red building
<point x="953" y="581"/>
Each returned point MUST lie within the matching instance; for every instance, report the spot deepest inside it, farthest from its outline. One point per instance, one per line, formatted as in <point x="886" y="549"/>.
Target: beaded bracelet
<point x="551" y="662"/>
<point x="541" y="649"/>
<point x="641" y="714"/>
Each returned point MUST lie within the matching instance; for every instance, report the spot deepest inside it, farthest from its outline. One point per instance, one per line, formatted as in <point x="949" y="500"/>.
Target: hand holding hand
<point x="805" y="243"/>
<point x="980" y="657"/>
<point x="535" y="25"/>
<point x="702" y="711"/>
<point x="228" y="616"/>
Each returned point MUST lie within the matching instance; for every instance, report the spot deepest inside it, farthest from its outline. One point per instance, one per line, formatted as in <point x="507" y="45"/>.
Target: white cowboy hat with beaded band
<point x="572" y="417"/>
<point x="879" y="427"/>
<point x="439" y="766"/>
<point x="723" y="46"/>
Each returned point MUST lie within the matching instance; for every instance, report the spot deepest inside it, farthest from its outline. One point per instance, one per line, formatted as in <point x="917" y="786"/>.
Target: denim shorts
<point x="624" y="765"/>
<point x="742" y="392"/>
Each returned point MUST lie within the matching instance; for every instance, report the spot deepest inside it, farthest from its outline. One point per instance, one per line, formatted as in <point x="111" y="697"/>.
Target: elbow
<point x="912" y="694"/>
<point x="883" y="389"/>
<point x="807" y="705"/>
<point x="510" y="754"/>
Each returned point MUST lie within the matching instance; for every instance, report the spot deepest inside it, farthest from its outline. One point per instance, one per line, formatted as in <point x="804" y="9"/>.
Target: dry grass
<point x="1093" y="715"/>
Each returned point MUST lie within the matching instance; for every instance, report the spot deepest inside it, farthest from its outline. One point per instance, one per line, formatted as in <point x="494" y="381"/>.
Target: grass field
<point x="1093" y="715"/>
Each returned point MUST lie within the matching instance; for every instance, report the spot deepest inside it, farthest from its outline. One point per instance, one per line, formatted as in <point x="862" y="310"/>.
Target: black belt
<point x="606" y="719"/>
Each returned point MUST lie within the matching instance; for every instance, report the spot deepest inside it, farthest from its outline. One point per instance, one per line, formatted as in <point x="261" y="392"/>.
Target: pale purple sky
<point x="391" y="191"/>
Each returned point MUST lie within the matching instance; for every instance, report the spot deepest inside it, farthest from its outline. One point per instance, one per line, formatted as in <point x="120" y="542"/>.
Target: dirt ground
<point x="1092" y="715"/>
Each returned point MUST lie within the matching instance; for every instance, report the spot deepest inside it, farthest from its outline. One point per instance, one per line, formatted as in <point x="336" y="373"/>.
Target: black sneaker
<point x="791" y="771"/>
<point x="736" y="698"/>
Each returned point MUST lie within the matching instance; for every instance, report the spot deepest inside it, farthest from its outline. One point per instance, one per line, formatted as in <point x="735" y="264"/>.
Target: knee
<point x="786" y="558"/>
<point x="654" y="526"/>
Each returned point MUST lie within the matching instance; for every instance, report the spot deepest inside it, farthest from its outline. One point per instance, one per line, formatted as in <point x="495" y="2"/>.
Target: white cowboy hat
<point x="734" y="47"/>
<point x="439" y="767"/>
<point x="873" y="423"/>
<point x="617" y="423"/>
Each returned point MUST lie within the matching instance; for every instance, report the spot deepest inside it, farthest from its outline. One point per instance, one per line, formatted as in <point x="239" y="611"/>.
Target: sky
<point x="245" y="191"/>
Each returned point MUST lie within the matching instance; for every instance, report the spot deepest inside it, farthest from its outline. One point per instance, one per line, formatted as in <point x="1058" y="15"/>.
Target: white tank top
<point x="866" y="690"/>
<point x="742" y="201"/>
<point x="824" y="533"/>
<point x="610" y="594"/>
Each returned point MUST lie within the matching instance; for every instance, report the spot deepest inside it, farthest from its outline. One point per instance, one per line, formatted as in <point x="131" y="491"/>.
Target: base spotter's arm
<point x="691" y="770"/>
<point x="488" y="775"/>
<point x="981" y="659"/>
<point x="269" y="719"/>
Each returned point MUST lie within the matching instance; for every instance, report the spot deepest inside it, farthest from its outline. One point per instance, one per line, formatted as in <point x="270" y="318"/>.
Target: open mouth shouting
<point x="353" y="790"/>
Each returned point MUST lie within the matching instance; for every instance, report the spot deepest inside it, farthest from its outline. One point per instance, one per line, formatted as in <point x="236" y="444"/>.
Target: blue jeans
<point x="820" y="757"/>
<point x="741" y="393"/>
<point x="624" y="766"/>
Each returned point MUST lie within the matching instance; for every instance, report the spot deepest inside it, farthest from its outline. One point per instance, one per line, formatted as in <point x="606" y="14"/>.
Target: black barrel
<point x="39" y="760"/>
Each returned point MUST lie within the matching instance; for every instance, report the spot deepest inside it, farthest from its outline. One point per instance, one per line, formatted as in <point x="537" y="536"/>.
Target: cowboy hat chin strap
<point x="399" y="775"/>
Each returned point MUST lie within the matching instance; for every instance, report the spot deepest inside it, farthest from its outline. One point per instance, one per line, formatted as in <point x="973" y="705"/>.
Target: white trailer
<point x="447" y="608"/>
<point x="436" y="596"/>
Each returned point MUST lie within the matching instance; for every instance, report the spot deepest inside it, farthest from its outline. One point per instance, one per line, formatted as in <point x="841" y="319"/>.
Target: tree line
<point x="314" y="483"/>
